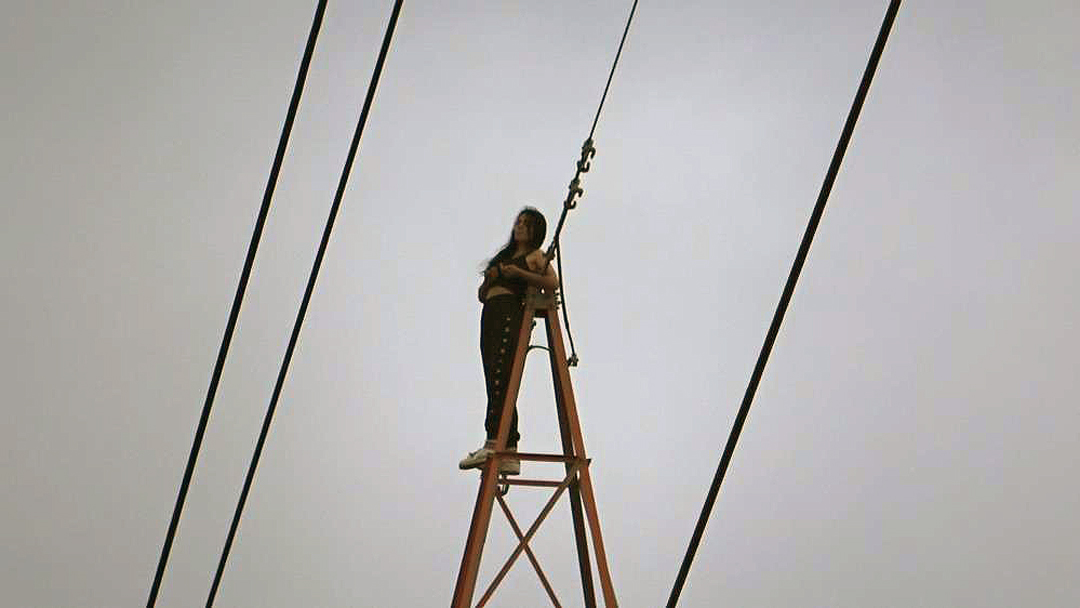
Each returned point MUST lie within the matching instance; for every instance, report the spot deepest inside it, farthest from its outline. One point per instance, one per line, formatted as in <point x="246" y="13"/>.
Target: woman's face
<point x="522" y="229"/>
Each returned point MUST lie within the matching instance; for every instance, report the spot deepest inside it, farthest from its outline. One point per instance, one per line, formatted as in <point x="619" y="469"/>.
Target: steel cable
<point x="785" y="298"/>
<point x="238" y="299"/>
<point x="306" y="300"/>
<point x="587" y="151"/>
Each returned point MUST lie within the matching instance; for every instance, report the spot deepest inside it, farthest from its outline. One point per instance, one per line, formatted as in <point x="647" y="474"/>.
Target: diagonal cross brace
<point x="523" y="542"/>
<point x="528" y="551"/>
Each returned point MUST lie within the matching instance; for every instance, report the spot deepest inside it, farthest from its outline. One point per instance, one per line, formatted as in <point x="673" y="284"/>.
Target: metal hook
<point x="588" y="148"/>
<point x="587" y="152"/>
<point x="575" y="191"/>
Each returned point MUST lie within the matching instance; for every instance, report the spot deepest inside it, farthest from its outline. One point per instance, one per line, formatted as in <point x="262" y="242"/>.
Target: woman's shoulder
<point x="536" y="259"/>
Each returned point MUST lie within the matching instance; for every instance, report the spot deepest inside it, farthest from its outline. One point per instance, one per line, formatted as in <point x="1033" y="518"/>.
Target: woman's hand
<point x="509" y="270"/>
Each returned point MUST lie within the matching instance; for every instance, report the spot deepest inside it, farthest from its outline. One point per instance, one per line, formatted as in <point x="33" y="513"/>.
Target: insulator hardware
<point x="587" y="152"/>
<point x="583" y="165"/>
<point x="575" y="191"/>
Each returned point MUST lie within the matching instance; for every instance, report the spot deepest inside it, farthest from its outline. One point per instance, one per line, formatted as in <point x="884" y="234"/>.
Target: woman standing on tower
<point x="518" y="265"/>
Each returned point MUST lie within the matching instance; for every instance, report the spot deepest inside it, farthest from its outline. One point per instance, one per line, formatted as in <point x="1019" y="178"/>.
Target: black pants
<point x="500" y="324"/>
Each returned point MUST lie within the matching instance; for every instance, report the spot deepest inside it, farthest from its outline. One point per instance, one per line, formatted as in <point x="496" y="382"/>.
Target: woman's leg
<point x="500" y="325"/>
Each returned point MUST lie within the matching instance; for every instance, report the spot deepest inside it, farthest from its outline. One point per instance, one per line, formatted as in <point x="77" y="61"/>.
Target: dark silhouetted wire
<point x="611" y="75"/>
<point x="230" y="326"/>
<point x="592" y="131"/>
<point x="583" y="165"/>
<point x="306" y="300"/>
<point x="572" y="360"/>
<point x="785" y="298"/>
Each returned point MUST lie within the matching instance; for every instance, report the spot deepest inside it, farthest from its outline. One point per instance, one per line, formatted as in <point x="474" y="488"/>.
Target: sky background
<point x="915" y="440"/>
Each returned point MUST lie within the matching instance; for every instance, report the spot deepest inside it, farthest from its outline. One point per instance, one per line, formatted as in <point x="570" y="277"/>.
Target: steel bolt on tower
<point x="576" y="482"/>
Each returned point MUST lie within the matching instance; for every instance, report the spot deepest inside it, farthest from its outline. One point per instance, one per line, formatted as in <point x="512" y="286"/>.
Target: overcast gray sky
<point x="914" y="441"/>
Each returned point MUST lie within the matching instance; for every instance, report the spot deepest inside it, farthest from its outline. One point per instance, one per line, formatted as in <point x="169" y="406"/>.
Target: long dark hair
<point x="537" y="231"/>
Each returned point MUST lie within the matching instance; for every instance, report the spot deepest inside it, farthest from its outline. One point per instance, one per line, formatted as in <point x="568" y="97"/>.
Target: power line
<point x="575" y="190"/>
<point x="587" y="149"/>
<point x="306" y="300"/>
<point x="785" y="298"/>
<point x="234" y="313"/>
<point x="615" y="63"/>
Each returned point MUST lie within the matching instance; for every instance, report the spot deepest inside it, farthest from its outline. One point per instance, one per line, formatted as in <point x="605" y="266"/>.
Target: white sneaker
<point x="475" y="459"/>
<point x="508" y="466"/>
